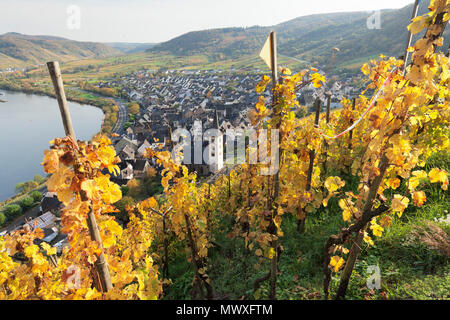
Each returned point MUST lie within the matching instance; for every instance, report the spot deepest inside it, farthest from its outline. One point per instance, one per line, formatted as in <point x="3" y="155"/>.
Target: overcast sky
<point x="160" y="20"/>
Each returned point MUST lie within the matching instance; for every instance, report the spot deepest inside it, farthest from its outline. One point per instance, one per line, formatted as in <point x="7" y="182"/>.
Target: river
<point x="27" y="124"/>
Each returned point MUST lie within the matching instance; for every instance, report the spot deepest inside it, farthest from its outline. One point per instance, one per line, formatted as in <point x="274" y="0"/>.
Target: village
<point x="195" y="100"/>
<point x="190" y="100"/>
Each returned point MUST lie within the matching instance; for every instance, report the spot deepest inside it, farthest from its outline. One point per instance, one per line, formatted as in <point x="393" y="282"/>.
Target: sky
<point x="148" y="21"/>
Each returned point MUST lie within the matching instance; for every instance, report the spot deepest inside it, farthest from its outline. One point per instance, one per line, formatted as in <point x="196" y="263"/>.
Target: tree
<point x="133" y="108"/>
<point x="2" y="219"/>
<point x="38" y="178"/>
<point x="36" y="195"/>
<point x="26" y="203"/>
<point x="23" y="187"/>
<point x="134" y="188"/>
<point x="12" y="211"/>
<point x="152" y="182"/>
<point x="122" y="206"/>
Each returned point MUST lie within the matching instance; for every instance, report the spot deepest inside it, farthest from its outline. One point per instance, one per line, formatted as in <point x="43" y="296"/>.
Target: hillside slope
<point x="309" y="38"/>
<point x="130" y="47"/>
<point x="17" y="50"/>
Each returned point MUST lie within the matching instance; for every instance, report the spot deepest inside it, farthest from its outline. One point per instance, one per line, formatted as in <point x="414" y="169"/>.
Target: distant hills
<point x="130" y="47"/>
<point x="309" y="38"/>
<point x="17" y="50"/>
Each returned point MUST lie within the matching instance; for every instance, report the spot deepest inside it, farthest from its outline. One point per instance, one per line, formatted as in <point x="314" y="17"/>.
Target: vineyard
<point x="351" y="184"/>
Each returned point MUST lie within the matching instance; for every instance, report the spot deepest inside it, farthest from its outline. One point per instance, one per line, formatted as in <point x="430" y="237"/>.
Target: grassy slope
<point x="101" y="69"/>
<point x="18" y="50"/>
<point x="408" y="270"/>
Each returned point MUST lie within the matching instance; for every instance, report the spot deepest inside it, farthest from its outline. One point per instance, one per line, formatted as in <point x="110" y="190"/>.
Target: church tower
<point x="216" y="148"/>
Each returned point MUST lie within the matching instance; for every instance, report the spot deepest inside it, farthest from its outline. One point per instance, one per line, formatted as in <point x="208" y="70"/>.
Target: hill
<point x="18" y="50"/>
<point x="131" y="47"/>
<point x="309" y="38"/>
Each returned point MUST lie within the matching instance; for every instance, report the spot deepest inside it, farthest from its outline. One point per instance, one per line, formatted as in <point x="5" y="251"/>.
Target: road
<point x="29" y="214"/>
<point x="19" y="221"/>
<point x="122" y="118"/>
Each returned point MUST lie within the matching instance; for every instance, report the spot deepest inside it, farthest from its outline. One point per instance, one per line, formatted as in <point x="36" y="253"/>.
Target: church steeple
<point x="216" y="146"/>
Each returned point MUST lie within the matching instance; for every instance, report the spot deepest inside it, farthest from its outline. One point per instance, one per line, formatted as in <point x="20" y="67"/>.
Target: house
<point x="50" y="203"/>
<point x="130" y="133"/>
<point x="59" y="242"/>
<point x="47" y="220"/>
<point x="142" y="149"/>
<point x="125" y="175"/>
<point x="123" y="142"/>
<point x="140" y="167"/>
<point x="127" y="153"/>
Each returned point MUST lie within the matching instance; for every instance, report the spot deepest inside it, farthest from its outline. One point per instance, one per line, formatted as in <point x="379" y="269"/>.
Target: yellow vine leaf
<point x="399" y="204"/>
<point x="377" y="230"/>
<point x="317" y="80"/>
<point x="438" y="175"/>
<point x="336" y="262"/>
<point x="415" y="180"/>
<point x="393" y="183"/>
<point x="368" y="239"/>
<point x="334" y="183"/>
<point x="418" y="24"/>
<point x="419" y="198"/>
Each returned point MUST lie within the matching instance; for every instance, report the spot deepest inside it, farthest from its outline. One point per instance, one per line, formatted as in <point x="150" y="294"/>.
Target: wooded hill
<point x="310" y="38"/>
<point x="17" y="50"/>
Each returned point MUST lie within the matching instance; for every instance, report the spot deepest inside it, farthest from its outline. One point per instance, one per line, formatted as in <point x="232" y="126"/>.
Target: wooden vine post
<point x="275" y="243"/>
<point x="325" y="142"/>
<point x="328" y="108"/>
<point x="356" y="247"/>
<point x="350" y="137"/>
<point x="165" y="240"/>
<point x="229" y="182"/>
<point x="433" y="32"/>
<point x="101" y="263"/>
<point x="269" y="55"/>
<point x="197" y="263"/>
<point x="312" y="155"/>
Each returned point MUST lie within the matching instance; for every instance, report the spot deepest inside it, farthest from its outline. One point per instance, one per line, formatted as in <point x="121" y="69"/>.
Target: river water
<point x="27" y="124"/>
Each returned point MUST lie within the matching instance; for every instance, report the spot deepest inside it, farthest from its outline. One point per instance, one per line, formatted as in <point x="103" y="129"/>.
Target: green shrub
<point x="36" y="195"/>
<point x="2" y="219"/>
<point x="27" y="203"/>
<point x="121" y="205"/>
<point x="125" y="190"/>
<point x="23" y="187"/>
<point x="38" y="178"/>
<point x="12" y="211"/>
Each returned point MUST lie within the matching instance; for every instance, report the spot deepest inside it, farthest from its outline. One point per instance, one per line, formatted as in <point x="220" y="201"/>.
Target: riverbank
<point x="10" y="223"/>
<point x="107" y="105"/>
<point x="27" y="123"/>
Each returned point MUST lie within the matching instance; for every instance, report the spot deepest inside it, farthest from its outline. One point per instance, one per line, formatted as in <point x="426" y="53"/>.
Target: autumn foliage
<point x="390" y="145"/>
